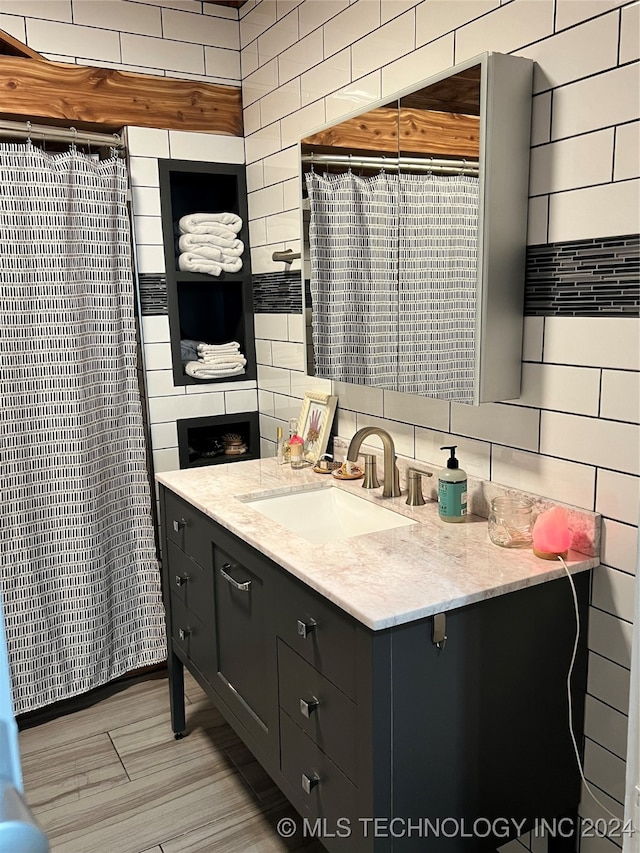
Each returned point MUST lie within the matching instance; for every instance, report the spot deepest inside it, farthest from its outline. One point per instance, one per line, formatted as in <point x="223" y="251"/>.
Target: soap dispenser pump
<point x="452" y="489"/>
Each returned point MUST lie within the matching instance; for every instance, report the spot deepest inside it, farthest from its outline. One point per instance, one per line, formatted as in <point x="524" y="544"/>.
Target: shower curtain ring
<point x="29" y="132"/>
<point x="72" y="146"/>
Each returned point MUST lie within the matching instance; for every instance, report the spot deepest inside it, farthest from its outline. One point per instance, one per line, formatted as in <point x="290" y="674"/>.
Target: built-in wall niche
<point x="212" y="309"/>
<point x="205" y="192"/>
<point x="218" y="439"/>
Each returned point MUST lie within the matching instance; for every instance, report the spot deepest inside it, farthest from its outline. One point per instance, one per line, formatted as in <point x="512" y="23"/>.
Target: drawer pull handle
<point x="307" y="708"/>
<point x="183" y="633"/>
<point x="178" y="524"/>
<point x="309" y="782"/>
<point x="181" y="579"/>
<point x="306" y="628"/>
<point x="243" y="587"/>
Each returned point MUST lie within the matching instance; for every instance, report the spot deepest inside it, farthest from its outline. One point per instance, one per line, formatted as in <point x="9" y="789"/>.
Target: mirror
<point x="414" y="234"/>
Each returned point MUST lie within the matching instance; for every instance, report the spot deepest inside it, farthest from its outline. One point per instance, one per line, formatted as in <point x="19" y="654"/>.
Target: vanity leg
<point x="176" y="695"/>
<point x="565" y="840"/>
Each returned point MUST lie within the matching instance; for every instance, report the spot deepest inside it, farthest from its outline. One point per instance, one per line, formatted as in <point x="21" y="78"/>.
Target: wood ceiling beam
<point x="104" y="98"/>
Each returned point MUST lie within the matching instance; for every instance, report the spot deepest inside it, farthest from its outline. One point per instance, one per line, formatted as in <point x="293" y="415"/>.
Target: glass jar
<point x="510" y="522"/>
<point x="296" y="446"/>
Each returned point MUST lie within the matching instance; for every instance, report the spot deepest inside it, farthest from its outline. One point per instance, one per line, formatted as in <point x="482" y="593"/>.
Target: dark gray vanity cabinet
<point x="355" y="724"/>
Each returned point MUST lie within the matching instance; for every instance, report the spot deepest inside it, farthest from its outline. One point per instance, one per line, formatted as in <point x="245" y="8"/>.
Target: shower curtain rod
<point x="37" y="132"/>
<point x="422" y="164"/>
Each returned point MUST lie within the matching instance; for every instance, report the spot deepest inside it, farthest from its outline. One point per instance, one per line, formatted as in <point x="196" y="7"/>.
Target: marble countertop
<point x="384" y="578"/>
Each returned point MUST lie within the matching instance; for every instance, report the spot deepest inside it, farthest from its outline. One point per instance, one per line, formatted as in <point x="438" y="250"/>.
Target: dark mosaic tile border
<point x="584" y="278"/>
<point x="277" y="293"/>
<point x="153" y="294"/>
<point x="580" y="278"/>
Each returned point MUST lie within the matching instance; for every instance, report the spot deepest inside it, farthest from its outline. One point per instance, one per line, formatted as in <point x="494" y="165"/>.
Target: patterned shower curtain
<point x="353" y="239"/>
<point x="79" y="573"/>
<point x="396" y="255"/>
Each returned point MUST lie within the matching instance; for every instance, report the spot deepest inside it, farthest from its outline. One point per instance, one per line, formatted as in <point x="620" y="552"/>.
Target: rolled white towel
<point x="190" y="262"/>
<point x="230" y="263"/>
<point x="210" y="253"/>
<point x="201" y="371"/>
<point x="194" y="242"/>
<point x="194" y="222"/>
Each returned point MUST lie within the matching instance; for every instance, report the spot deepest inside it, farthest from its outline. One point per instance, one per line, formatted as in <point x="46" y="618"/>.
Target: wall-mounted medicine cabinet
<point x="414" y="222"/>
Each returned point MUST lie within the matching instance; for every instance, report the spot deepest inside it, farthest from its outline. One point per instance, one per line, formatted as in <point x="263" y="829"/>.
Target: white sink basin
<point x="326" y="514"/>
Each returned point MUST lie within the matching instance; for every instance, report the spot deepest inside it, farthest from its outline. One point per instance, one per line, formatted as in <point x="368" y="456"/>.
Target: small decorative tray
<point x="341" y="473"/>
<point x="326" y="467"/>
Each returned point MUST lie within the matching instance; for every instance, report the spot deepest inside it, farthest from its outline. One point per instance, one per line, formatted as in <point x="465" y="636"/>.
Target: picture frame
<point x="314" y="423"/>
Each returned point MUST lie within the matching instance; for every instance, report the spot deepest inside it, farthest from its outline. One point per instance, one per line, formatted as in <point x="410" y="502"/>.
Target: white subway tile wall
<point x="162" y="37"/>
<point x="574" y="435"/>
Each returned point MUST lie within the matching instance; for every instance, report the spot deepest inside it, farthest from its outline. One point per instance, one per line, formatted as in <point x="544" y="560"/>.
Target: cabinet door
<point x="245" y="658"/>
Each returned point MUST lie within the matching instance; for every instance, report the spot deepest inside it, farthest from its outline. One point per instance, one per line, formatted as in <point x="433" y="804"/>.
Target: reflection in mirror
<point x="393" y="230"/>
<point x="393" y="209"/>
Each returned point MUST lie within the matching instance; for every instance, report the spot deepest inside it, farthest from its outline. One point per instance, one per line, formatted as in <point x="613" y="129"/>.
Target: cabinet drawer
<point x="187" y="528"/>
<point x="318" y="632"/>
<point x="317" y="786"/>
<point x="331" y="723"/>
<point x="192" y="584"/>
<point x="193" y="638"/>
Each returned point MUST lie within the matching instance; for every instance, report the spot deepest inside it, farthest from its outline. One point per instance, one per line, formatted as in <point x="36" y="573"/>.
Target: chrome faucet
<point x="391" y="482"/>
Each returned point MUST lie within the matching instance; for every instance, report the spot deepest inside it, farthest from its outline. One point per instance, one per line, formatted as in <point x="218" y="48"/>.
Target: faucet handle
<point x="415" y="496"/>
<point x="370" y="475"/>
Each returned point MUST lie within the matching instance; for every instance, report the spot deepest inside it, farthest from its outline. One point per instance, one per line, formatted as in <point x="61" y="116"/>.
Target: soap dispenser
<point x="452" y="489"/>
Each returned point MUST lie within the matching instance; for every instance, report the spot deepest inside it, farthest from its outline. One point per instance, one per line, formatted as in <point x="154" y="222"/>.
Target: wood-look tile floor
<point x="111" y="778"/>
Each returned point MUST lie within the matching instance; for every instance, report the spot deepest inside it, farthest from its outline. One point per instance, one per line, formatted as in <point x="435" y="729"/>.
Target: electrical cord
<point x="573" y="660"/>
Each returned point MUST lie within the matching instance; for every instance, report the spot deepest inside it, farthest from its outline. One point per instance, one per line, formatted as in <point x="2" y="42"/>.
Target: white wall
<point x="574" y="435"/>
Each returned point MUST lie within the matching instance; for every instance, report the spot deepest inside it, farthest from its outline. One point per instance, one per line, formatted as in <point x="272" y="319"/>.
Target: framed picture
<point x="314" y="424"/>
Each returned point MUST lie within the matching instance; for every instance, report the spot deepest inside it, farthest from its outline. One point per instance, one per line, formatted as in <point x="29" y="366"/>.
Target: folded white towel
<point x="194" y="222"/>
<point x="190" y="262"/>
<point x="194" y="242"/>
<point x="232" y="346"/>
<point x="226" y="360"/>
<point x="200" y="371"/>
